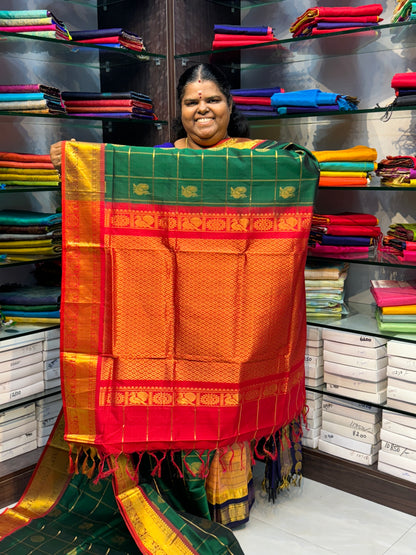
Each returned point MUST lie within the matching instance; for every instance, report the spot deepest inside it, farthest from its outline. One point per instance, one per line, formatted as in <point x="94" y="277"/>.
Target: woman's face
<point x="205" y="113"/>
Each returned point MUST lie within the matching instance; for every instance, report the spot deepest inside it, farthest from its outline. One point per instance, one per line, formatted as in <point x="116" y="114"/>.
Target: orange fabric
<point x="173" y="337"/>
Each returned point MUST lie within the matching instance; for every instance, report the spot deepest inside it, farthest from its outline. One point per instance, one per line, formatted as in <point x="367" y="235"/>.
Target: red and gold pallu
<point x="183" y="321"/>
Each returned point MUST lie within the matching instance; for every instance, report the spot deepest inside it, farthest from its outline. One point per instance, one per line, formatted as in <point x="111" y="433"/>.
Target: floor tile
<point x="331" y="519"/>
<point x="406" y="545"/>
<point x="259" y="538"/>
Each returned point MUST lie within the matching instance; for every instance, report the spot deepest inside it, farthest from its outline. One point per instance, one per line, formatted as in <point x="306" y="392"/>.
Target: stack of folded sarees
<point x="39" y="23"/>
<point x="128" y="104"/>
<point x="400" y="240"/>
<point x="255" y="102"/>
<point x="312" y="100"/>
<point x="31" y="304"/>
<point x="396" y="305"/>
<point x="348" y="234"/>
<point x="25" y="235"/>
<point x="405" y="10"/>
<point x="114" y="37"/>
<point x="324" y="285"/>
<point x="226" y="36"/>
<point x="32" y="170"/>
<point x="404" y="85"/>
<point x="31" y="98"/>
<point x="397" y="171"/>
<point x="326" y="19"/>
<point x="350" y="167"/>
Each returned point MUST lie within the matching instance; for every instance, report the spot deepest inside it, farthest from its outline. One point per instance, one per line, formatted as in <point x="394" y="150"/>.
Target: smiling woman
<point x="207" y="112"/>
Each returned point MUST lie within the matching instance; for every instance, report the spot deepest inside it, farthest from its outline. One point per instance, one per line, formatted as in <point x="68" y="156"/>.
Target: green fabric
<point x="206" y="537"/>
<point x="187" y="494"/>
<point x="144" y="176"/>
<point x="87" y="515"/>
<point x="399" y="327"/>
<point x="347" y="166"/>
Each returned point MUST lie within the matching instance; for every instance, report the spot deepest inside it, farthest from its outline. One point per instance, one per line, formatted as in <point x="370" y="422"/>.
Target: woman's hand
<point x="55" y="152"/>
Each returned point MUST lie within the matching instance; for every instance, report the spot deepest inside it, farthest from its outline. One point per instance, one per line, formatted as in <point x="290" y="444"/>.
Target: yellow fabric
<point x="357" y="153"/>
<point x="343" y="174"/>
<point x="227" y="483"/>
<point x="402" y="309"/>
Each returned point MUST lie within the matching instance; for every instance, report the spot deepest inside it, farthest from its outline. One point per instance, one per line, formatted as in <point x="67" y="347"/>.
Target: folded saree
<point x="397" y="327"/>
<point x="357" y="153"/>
<point x="267" y="91"/>
<point x="345" y="218"/>
<point x="358" y="230"/>
<point x="313" y="98"/>
<point x="328" y="11"/>
<point x="325" y="181"/>
<point x="241" y="30"/>
<point x="399" y="309"/>
<point x="336" y="166"/>
<point x="393" y="292"/>
<point x="28" y="217"/>
<point x="404" y="80"/>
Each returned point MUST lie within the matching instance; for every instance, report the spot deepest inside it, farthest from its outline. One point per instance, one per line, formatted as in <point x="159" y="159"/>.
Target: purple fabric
<point x="96" y="33"/>
<point x="346" y="240"/>
<point x="256" y="92"/>
<point x="119" y="115"/>
<point x="254" y="108"/>
<point x="342" y="25"/>
<point x="405" y="92"/>
<point x="239" y="30"/>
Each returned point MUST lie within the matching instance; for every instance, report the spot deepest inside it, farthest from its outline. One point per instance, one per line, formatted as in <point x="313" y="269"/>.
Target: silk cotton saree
<point x="183" y="335"/>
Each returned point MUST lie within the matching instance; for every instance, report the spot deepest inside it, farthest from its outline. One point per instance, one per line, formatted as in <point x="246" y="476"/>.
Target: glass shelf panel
<point x="331" y="114"/>
<point x="98" y="118"/>
<point x="381" y="38"/>
<point x="247" y="4"/>
<point x="26" y="189"/>
<point x="71" y="53"/>
<point x="376" y="259"/>
<point x="331" y="393"/>
<point x="361" y="319"/>
<point x="30" y="398"/>
<point x="28" y="259"/>
<point x="20" y="330"/>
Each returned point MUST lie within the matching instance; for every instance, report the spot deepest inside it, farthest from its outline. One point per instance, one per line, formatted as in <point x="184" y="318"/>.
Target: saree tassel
<point x="259" y="456"/>
<point x="157" y="471"/>
<point x="179" y="470"/>
<point x="104" y="469"/>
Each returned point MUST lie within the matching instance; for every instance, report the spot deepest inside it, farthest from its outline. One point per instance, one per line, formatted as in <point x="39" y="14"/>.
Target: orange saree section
<point x="181" y="338"/>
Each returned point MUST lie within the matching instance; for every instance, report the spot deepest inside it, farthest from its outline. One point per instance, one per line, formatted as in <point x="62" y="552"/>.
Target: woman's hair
<point x="237" y="127"/>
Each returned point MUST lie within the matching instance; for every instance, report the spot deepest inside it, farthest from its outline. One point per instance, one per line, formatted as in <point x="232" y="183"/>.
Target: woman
<point x="265" y="393"/>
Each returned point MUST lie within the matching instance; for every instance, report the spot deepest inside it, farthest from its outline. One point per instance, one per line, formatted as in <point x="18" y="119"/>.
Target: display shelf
<point x="72" y="118"/>
<point x="381" y="38"/>
<point x="360" y="319"/>
<point x="23" y="401"/>
<point x="72" y="53"/>
<point x="16" y="260"/>
<point x="4" y="188"/>
<point x="333" y="114"/>
<point x="20" y="330"/>
<point x="330" y="393"/>
<point x="376" y="259"/>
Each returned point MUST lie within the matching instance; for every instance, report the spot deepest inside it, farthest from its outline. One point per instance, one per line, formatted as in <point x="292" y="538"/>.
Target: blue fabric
<point x="311" y="98"/>
<point x="346" y="240"/>
<point x="11" y="97"/>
